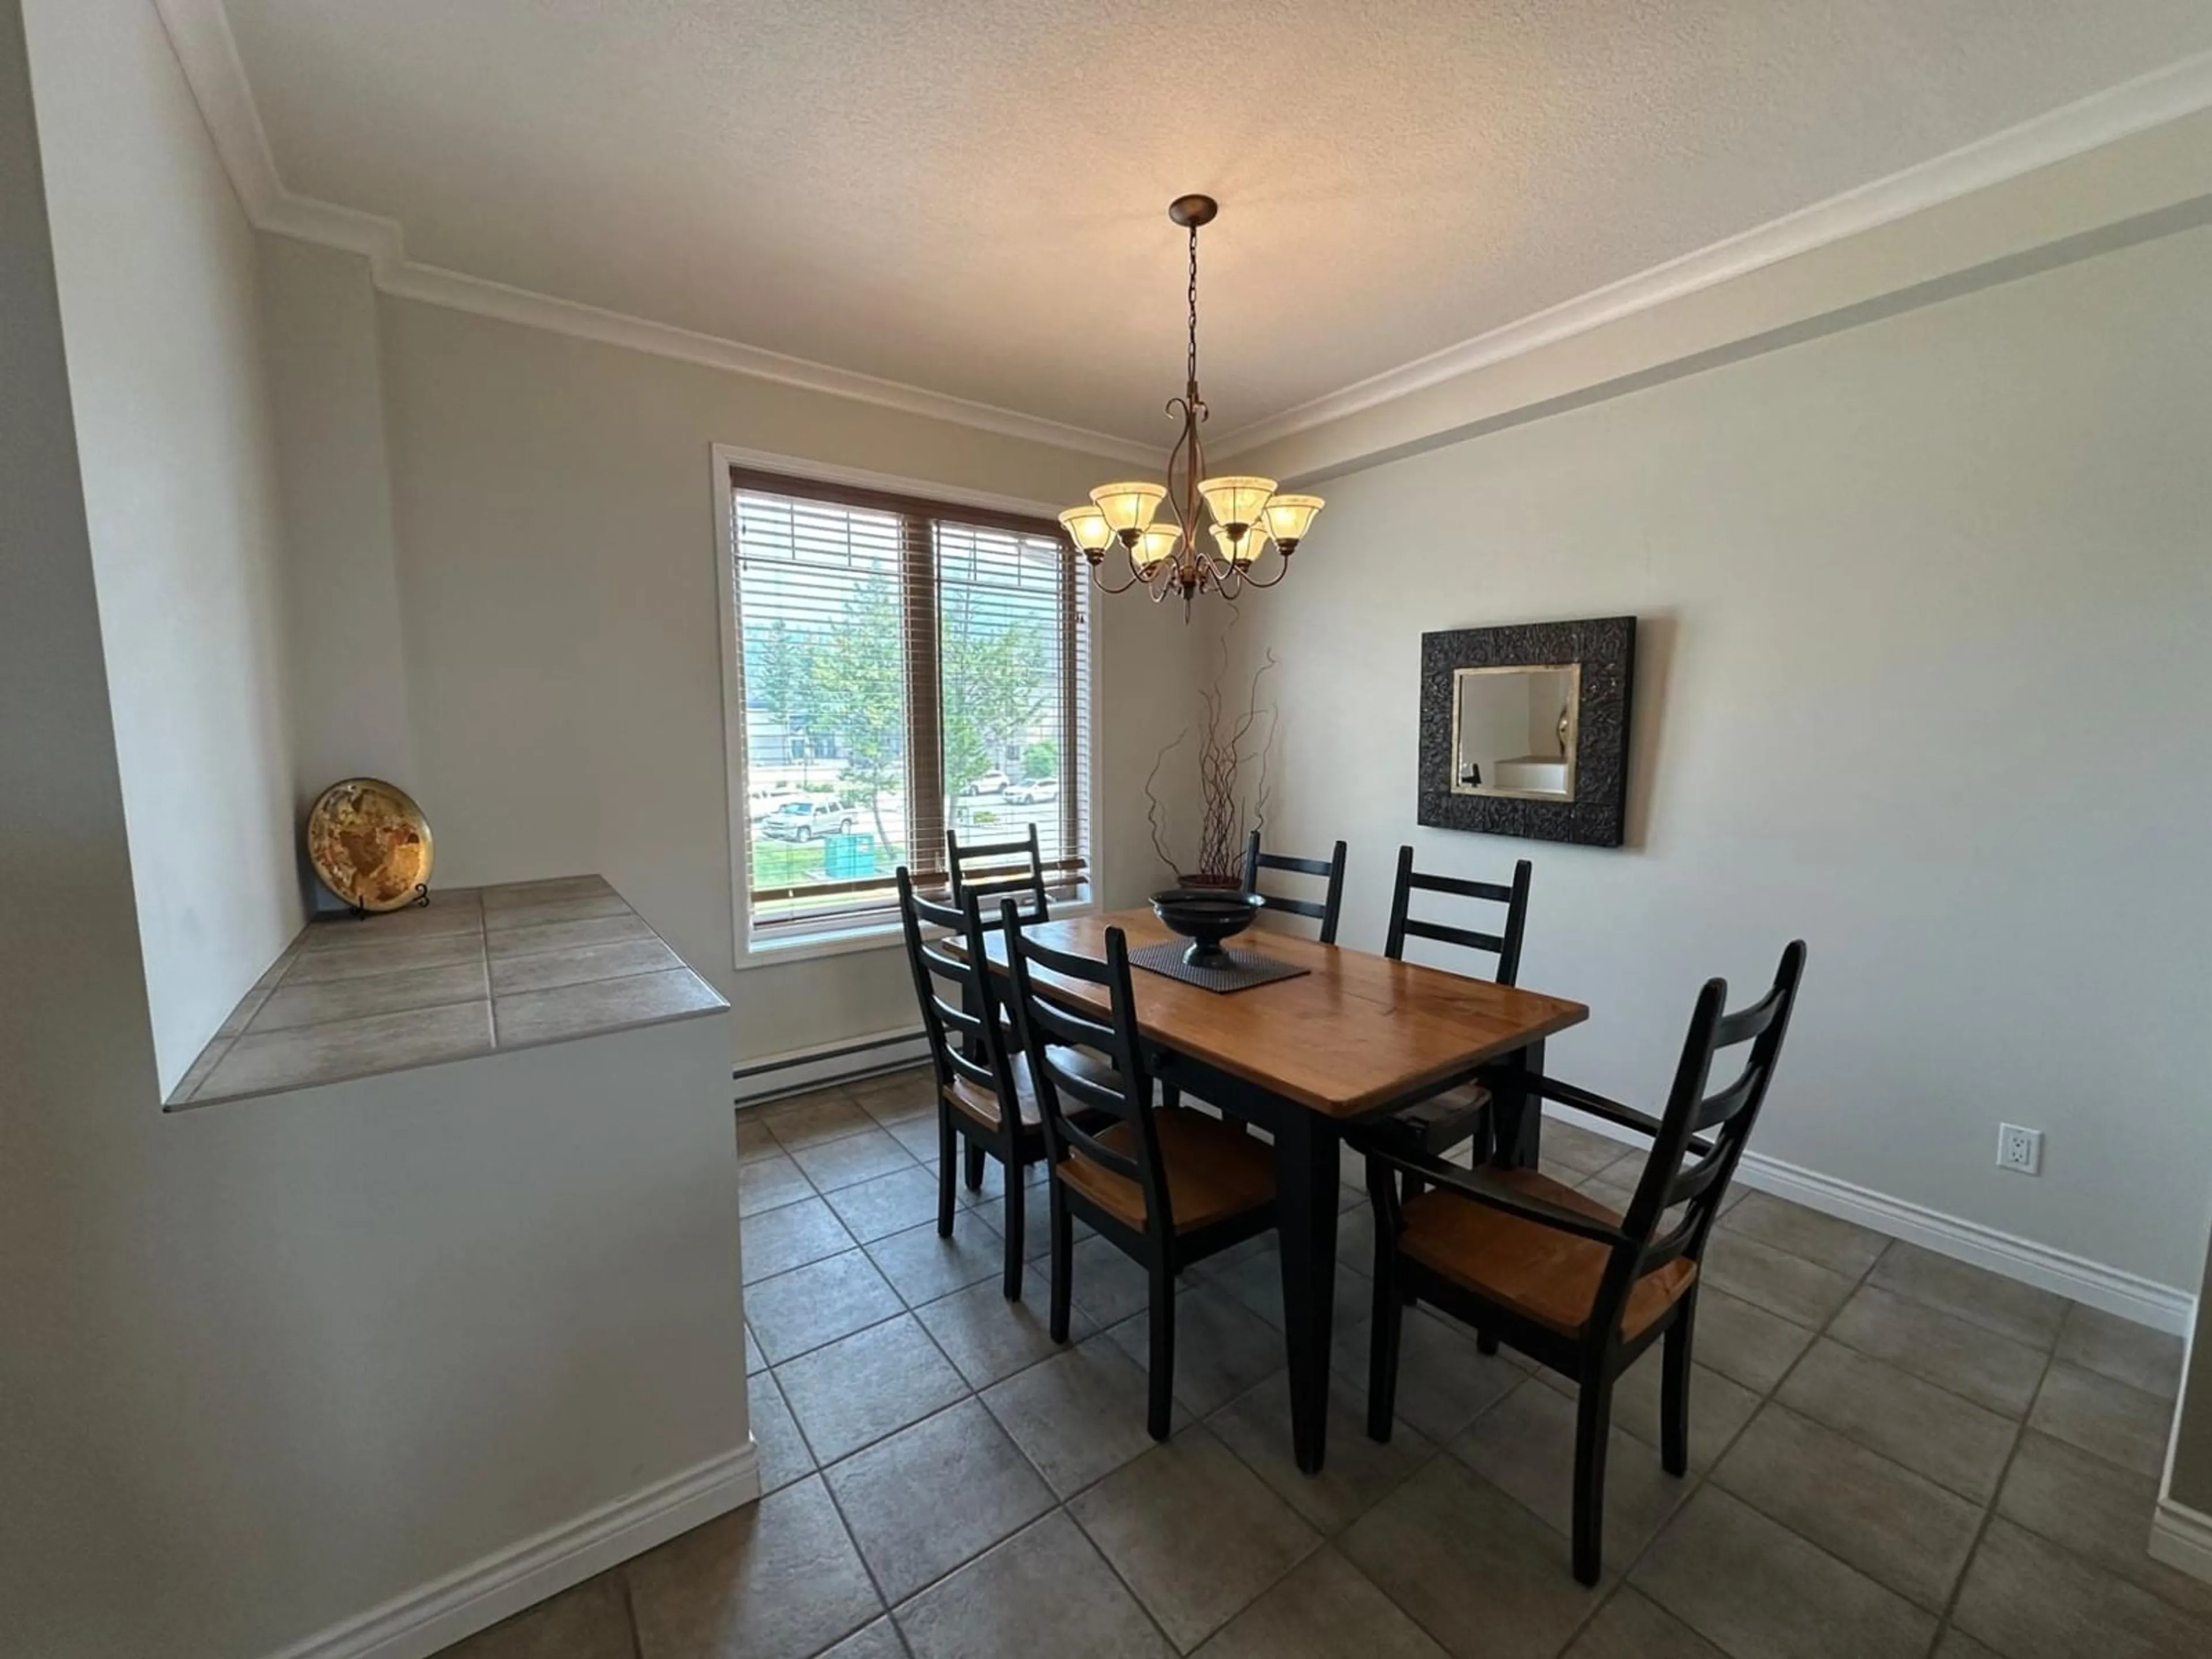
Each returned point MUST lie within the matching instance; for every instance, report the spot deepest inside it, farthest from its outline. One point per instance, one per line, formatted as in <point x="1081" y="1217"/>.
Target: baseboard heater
<point x="803" y="1069"/>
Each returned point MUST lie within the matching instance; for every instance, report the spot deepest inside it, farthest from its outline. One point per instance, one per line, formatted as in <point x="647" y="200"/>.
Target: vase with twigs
<point x="1232" y="753"/>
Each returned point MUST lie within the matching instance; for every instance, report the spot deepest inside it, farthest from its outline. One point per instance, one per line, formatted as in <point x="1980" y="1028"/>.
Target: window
<point x="905" y="667"/>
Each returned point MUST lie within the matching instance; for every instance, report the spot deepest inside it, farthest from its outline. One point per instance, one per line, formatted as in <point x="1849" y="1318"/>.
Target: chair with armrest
<point x="1166" y="1185"/>
<point x="1578" y="1288"/>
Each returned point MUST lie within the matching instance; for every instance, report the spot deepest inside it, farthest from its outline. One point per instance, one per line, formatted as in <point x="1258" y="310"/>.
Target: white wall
<point x="155" y="262"/>
<point x="1926" y="610"/>
<point x="557" y="567"/>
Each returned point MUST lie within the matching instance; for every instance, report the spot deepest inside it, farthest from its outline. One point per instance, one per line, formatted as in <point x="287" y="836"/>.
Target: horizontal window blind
<point x="909" y="667"/>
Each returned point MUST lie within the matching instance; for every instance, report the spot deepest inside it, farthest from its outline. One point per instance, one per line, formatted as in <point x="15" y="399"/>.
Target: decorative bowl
<point x="1205" y="916"/>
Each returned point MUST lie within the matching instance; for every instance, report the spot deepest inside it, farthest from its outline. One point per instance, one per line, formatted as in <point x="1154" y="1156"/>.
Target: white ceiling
<point x="969" y="196"/>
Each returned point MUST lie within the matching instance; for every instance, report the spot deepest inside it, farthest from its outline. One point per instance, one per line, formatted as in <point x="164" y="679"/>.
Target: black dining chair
<point x="1166" y="1185"/>
<point x="1461" y="1113"/>
<point x="985" y="1102"/>
<point x="986" y="870"/>
<point x="1578" y="1288"/>
<point x="1325" y="910"/>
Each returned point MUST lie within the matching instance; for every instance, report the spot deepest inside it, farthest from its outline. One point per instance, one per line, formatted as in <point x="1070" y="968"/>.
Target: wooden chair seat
<point x="1214" y="1170"/>
<point x="1538" y="1272"/>
<point x="973" y="1100"/>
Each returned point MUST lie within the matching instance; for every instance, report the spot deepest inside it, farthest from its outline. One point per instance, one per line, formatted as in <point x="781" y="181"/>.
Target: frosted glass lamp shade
<point x="1154" y="547"/>
<point x="1128" y="508"/>
<point x="1236" y="502"/>
<point x="1240" y="550"/>
<point x="1087" y="528"/>
<point x="1289" y="517"/>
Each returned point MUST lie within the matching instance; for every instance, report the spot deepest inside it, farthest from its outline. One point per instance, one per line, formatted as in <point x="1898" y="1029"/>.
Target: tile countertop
<point x="477" y="970"/>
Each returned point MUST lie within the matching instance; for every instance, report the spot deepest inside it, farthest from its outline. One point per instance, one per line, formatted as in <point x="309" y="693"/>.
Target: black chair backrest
<point x="984" y="872"/>
<point x="962" y="1027"/>
<point x="1049" y="1028"/>
<point x="1505" y="946"/>
<point x="1702" y="1133"/>
<point x="1325" y="910"/>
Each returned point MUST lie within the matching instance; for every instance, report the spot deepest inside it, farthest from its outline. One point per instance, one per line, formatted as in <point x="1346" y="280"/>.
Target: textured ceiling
<point x="969" y="195"/>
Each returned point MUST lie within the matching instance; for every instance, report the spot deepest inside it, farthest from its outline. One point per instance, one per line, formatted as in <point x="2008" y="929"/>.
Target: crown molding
<point x="207" y="52"/>
<point x="200" y="31"/>
<point x="2182" y="88"/>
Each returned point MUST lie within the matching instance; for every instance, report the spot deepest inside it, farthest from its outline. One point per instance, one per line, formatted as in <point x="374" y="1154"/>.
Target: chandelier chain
<point x="1192" y="364"/>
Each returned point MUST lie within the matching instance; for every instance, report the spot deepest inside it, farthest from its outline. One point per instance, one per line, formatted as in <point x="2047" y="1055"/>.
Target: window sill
<point x="875" y="936"/>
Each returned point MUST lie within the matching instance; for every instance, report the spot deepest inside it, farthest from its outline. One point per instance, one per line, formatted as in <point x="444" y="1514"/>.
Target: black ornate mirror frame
<point x="1605" y="647"/>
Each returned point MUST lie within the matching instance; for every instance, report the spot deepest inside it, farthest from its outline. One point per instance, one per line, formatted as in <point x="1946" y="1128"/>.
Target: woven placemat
<point x="1243" y="969"/>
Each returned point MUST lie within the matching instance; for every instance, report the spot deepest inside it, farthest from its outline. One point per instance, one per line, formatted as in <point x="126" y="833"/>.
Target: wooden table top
<point x="1357" y="1032"/>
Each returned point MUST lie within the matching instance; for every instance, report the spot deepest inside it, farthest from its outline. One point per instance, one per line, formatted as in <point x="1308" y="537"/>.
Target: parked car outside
<point x="991" y="783"/>
<point x="804" y="820"/>
<point x="771" y="799"/>
<point x="1035" y="791"/>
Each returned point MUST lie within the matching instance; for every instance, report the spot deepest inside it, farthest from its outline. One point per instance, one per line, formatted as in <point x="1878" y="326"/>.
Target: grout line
<point x="1989" y="1512"/>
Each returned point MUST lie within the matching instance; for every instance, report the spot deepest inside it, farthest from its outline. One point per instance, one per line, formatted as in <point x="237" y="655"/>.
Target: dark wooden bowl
<point x="1205" y="916"/>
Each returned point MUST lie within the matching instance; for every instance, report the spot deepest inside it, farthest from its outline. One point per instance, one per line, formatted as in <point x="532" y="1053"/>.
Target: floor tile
<point x="779" y="1240"/>
<point x="809" y="1120"/>
<point x="819" y="1303"/>
<point x="1036" y="1222"/>
<point x="2097" y="1510"/>
<point x="591" y="1622"/>
<point x="1107" y="1283"/>
<point x="1221" y="1348"/>
<point x="778" y="1579"/>
<point x="1324" y="1608"/>
<point x="1478" y="1571"/>
<point x="1634" y="1626"/>
<point x="1358" y="1474"/>
<point x="1937" y="1348"/>
<point x="1442" y="1379"/>
<point x="1194" y="1533"/>
<point x="852" y="1158"/>
<point x="1744" y="1342"/>
<point x="1355" y="1240"/>
<point x="1952" y="1441"/>
<point x="897" y="1096"/>
<point x="1801" y="1291"/>
<point x="2006" y="1306"/>
<point x="988" y="1337"/>
<point x="1043" y="1591"/>
<point x="784" y="1458"/>
<point x="1899" y="1528"/>
<point x="865" y="1386"/>
<point x="2109" y="1418"/>
<point x="770" y="1183"/>
<point x="919" y="1136"/>
<point x="754" y="1359"/>
<point x="754" y="1141"/>
<point x="1842" y="1246"/>
<point x="1718" y="1407"/>
<point x="1078" y="1416"/>
<point x="888" y="1204"/>
<point x="924" y="1266"/>
<point x="934" y="1495"/>
<point x="2031" y="1600"/>
<point x="1585" y="1152"/>
<point x="1957" y="1645"/>
<point x="2121" y="1349"/>
<point x="1524" y="1445"/>
<point x="1256" y="1280"/>
<point x="878" y="1640"/>
<point x="1757" y="1590"/>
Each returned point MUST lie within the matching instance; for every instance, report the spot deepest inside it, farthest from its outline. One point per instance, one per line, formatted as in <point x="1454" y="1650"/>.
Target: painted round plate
<point x="369" y="844"/>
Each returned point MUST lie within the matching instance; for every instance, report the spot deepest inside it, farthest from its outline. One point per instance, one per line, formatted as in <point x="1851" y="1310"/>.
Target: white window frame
<point x="872" y="936"/>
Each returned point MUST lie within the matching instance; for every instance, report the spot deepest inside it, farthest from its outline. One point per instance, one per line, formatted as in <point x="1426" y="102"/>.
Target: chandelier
<point x="1164" y="554"/>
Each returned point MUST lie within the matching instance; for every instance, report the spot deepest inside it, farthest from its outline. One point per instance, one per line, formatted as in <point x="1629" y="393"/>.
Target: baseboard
<point x="2162" y="1307"/>
<point x="2182" y="1538"/>
<point x="423" y="1620"/>
<point x="798" y="1070"/>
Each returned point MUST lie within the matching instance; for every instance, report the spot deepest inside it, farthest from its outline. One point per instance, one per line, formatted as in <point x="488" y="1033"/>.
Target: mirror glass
<point x="1513" y="730"/>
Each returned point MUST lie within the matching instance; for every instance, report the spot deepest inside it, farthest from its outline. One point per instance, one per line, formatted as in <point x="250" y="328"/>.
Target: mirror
<point x="1513" y="730"/>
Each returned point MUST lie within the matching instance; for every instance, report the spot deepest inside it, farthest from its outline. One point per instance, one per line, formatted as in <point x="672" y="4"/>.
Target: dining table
<point x="1353" y="1038"/>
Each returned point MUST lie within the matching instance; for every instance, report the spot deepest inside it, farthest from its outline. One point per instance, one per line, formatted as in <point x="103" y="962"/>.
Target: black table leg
<point x="1520" y="1114"/>
<point x="1305" y="1191"/>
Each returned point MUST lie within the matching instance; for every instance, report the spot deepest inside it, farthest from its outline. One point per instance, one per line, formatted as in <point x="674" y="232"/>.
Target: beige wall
<point x="1923" y="670"/>
<point x="555" y="513"/>
<point x="154" y="261"/>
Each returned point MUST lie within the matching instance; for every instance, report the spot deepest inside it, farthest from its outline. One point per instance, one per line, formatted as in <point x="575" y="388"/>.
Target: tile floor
<point x="1893" y="1454"/>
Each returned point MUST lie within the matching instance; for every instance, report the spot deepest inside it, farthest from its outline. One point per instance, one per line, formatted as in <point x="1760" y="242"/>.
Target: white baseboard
<point x="437" y="1614"/>
<point x="797" y="1070"/>
<point x="2182" y="1538"/>
<point x="2162" y="1307"/>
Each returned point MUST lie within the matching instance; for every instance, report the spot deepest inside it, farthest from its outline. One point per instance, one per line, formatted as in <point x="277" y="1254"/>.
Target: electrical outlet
<point x="2019" y="1149"/>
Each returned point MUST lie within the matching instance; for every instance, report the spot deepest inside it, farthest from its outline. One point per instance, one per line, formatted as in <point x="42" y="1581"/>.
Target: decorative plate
<point x="370" y="844"/>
